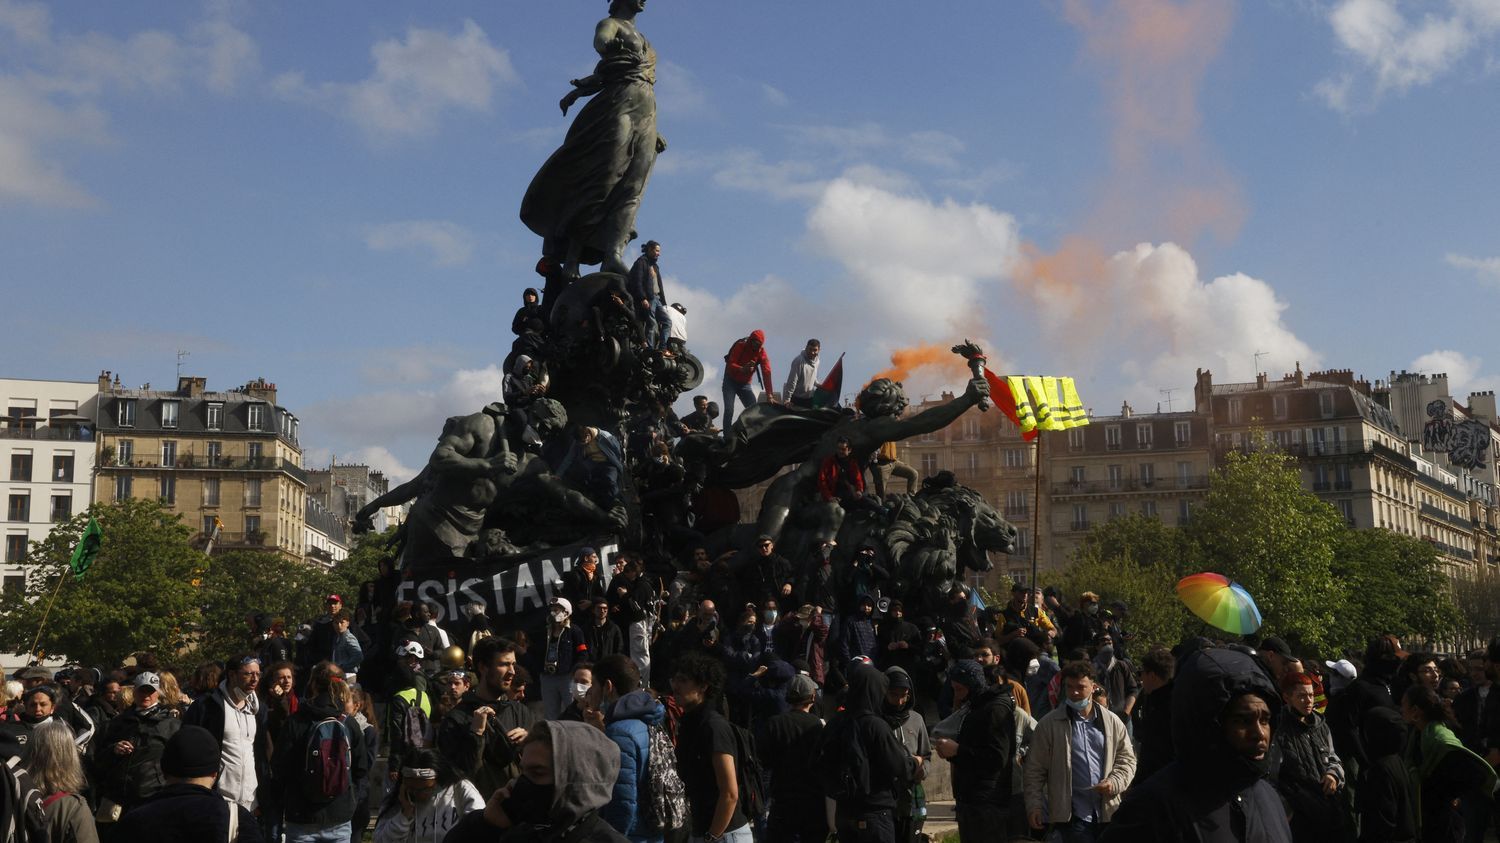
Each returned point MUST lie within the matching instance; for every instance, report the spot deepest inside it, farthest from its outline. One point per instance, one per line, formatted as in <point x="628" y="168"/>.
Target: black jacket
<point x="1209" y="794"/>
<point x="1153" y="731"/>
<point x="630" y="602"/>
<point x="761" y="578"/>
<point x="1384" y="796"/>
<point x="861" y="720"/>
<point x="130" y="779"/>
<point x="986" y="745"/>
<point x="1347" y="710"/>
<point x="579" y="588"/>
<point x="786" y="745"/>
<point x="603" y="640"/>
<point x="487" y="760"/>
<point x="526" y="312"/>
<point x="291" y="753"/>
<point x="185" y="813"/>
<point x="1474" y="721"/>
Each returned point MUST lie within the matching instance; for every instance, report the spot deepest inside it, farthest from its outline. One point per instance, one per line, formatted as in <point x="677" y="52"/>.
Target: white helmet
<point x="410" y="648"/>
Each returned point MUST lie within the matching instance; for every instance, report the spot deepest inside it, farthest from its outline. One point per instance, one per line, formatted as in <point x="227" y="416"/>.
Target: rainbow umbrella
<point x="1220" y="603"/>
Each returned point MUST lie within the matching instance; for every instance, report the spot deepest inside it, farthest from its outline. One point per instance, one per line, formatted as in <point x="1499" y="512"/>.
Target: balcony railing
<point x="1106" y="487"/>
<point x="69" y="433"/>
<point x="205" y="463"/>
<point x="1079" y="526"/>
<point x="1442" y="515"/>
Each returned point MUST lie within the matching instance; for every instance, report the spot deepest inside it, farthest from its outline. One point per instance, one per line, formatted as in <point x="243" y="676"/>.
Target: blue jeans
<point x="732" y="390"/>
<point x="663" y="325"/>
<point x="299" y="833"/>
<point x="738" y="835"/>
<point x="1077" y="831"/>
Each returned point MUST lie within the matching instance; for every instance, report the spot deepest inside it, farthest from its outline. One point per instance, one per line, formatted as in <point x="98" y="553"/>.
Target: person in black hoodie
<point x="1371" y="689"/>
<point x="1153" y="716"/>
<point x="786" y="745"/>
<point x="531" y="308"/>
<point x="982" y="752"/>
<point x="1384" y="798"/>
<point x="308" y="818"/>
<point x="862" y="763"/>
<point x="1223" y="704"/>
<point x="188" y="810"/>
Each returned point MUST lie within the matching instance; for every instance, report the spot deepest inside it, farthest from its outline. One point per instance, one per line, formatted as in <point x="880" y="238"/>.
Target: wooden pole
<point x="47" y="612"/>
<point x="1036" y="512"/>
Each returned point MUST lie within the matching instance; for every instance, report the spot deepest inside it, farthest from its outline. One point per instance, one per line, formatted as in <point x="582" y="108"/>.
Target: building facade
<point x="47" y="450"/>
<point x="1152" y="464"/>
<point x="344" y="489"/>
<point x="227" y="462"/>
<point x="327" y="536"/>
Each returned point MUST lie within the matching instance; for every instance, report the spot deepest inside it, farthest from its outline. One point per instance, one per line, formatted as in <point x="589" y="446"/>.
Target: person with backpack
<point x="57" y="773"/>
<point x="862" y="765"/>
<point x="709" y="753"/>
<point x="429" y="800"/>
<point x="187" y="810"/>
<point x="981" y="751"/>
<point x="787" y="743"/>
<point x="319" y="757"/>
<point x="648" y="798"/>
<point x="23" y="819"/>
<point x="409" y="711"/>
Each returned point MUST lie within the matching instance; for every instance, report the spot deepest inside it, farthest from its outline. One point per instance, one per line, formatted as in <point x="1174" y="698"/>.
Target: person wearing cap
<point x="980" y="750"/>
<point x="903" y="718"/>
<point x="232" y="714"/>
<point x="186" y="809"/>
<point x="77" y="719"/>
<point x="765" y="574"/>
<point x="559" y="645"/>
<point x="1276" y="655"/>
<point x="786" y="744"/>
<point x="129" y="760"/>
<point x="864" y="808"/>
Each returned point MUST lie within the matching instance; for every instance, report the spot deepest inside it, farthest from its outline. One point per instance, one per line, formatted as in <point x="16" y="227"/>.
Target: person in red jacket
<point x="745" y="357"/>
<point x="840" y="478"/>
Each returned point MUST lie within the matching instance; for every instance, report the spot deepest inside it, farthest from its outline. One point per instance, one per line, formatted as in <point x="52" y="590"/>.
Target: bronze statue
<point x="584" y="199"/>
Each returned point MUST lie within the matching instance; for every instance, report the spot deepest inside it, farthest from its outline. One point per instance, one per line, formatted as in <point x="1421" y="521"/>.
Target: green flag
<point x="87" y="549"/>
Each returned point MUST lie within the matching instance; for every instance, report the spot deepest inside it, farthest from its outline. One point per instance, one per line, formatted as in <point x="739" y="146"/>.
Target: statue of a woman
<point x="584" y="200"/>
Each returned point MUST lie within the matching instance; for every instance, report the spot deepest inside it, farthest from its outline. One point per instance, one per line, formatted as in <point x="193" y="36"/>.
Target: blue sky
<point x="1120" y="190"/>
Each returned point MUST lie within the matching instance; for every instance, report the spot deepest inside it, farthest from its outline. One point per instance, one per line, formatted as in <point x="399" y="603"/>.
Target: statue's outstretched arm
<point x="937" y="418"/>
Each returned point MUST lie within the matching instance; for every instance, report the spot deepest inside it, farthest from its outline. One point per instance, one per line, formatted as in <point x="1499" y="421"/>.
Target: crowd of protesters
<point x="751" y="699"/>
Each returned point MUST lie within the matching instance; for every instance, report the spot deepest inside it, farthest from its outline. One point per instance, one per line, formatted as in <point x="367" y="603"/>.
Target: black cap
<point x="1492" y="652"/>
<point x="1015" y="587"/>
<point x="1277" y="646"/>
<point x="191" y="753"/>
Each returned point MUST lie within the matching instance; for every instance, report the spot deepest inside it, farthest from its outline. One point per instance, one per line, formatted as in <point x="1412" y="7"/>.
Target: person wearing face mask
<point x="978" y="741"/>
<point x="1084" y="626"/>
<point x="1223" y="705"/>
<point x="568" y="773"/>
<point x="1080" y="762"/>
<point x="37" y="707"/>
<point x="584" y="584"/>
<point x="617" y="706"/>
<point x="909" y="726"/>
<point x="578" y="692"/>
<point x="1117" y="677"/>
<point x="559" y="646"/>
<point x="430" y="800"/>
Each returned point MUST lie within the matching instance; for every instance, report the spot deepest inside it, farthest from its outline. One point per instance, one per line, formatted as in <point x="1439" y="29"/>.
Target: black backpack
<point x="22" y="817"/>
<point x="748" y="772"/>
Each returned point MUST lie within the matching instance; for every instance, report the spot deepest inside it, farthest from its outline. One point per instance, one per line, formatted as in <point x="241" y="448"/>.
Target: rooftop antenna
<point x="181" y="354"/>
<point x="1258" y="355"/>
<point x="1167" y="393"/>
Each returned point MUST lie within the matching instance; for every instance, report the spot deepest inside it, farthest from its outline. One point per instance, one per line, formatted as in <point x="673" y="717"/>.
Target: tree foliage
<point x="1147" y="588"/>
<point x="242" y="583"/>
<point x="139" y="594"/>
<point x="1393" y="583"/>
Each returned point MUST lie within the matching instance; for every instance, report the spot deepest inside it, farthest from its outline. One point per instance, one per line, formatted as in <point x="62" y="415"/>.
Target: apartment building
<point x="226" y="460"/>
<point x="47" y="447"/>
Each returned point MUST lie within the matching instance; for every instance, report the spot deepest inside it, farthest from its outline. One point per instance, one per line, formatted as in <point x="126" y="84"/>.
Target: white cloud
<point x="50" y="100"/>
<point x="1488" y="269"/>
<point x="448" y="243"/>
<point x="774" y="96"/>
<point x="403" y="421"/>
<point x="929" y="147"/>
<point x="1395" y="51"/>
<point x="678" y="91"/>
<point x="1464" y="371"/>
<point x="415" y="82"/>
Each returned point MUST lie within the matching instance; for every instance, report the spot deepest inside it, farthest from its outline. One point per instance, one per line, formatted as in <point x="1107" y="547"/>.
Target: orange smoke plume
<point x="904" y="361"/>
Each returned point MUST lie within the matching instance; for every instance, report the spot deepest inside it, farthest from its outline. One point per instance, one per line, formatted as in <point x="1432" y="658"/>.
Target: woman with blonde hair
<point x="57" y="774"/>
<point x="171" y="694"/>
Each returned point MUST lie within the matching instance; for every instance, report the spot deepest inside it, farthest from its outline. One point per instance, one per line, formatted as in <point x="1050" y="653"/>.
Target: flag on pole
<point x="1037" y="403"/>
<point x="87" y="549"/>
<point x="827" y="393"/>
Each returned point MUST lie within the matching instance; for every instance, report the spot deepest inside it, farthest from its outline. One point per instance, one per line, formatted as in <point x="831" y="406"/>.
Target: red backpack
<point x="325" y="770"/>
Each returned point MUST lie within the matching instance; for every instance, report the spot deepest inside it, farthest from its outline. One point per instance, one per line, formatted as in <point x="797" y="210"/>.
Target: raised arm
<point x="937" y="418"/>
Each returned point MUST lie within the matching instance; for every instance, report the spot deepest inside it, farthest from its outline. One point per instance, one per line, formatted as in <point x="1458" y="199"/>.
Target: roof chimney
<point x="1301" y="380"/>
<point x="190" y="387"/>
<point x="1261" y="380"/>
<point x="104" y="381"/>
<point x="1125" y="409"/>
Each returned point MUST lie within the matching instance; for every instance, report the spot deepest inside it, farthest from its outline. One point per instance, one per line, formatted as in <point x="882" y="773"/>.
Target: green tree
<point x="1156" y="616"/>
<point x="138" y="595"/>
<point x="242" y="583"/>
<point x="1260" y="528"/>
<point x="1395" y="584"/>
<point x="362" y="565"/>
<point x="1140" y="539"/>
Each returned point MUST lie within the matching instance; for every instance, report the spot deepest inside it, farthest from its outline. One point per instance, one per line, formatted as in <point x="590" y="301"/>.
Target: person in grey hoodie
<point x="802" y="376"/>
<point x="568" y="772"/>
<point x="912" y="730"/>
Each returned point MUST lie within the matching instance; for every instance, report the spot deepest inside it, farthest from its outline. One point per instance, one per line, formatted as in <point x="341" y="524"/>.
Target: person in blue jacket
<point x="618" y="705"/>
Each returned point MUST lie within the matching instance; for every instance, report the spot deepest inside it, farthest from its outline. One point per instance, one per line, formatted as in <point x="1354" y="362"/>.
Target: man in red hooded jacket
<point x="745" y="357"/>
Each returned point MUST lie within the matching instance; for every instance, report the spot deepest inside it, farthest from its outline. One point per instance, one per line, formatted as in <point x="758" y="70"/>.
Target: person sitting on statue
<point x="531" y="342"/>
<point x="597" y="459"/>
<point x="531" y="308"/>
<point x="524" y="384"/>
<point x="841" y="480"/>
<point x="701" y="419"/>
<point x="648" y="295"/>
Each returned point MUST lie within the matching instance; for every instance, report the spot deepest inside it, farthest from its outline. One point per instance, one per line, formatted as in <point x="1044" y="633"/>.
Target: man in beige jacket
<point x="1079" y="763"/>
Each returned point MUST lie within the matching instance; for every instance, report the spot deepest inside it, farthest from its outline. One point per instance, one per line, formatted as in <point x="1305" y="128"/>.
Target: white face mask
<point x="1031" y="669"/>
<point x="580" y="690"/>
<point x="559" y="617"/>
